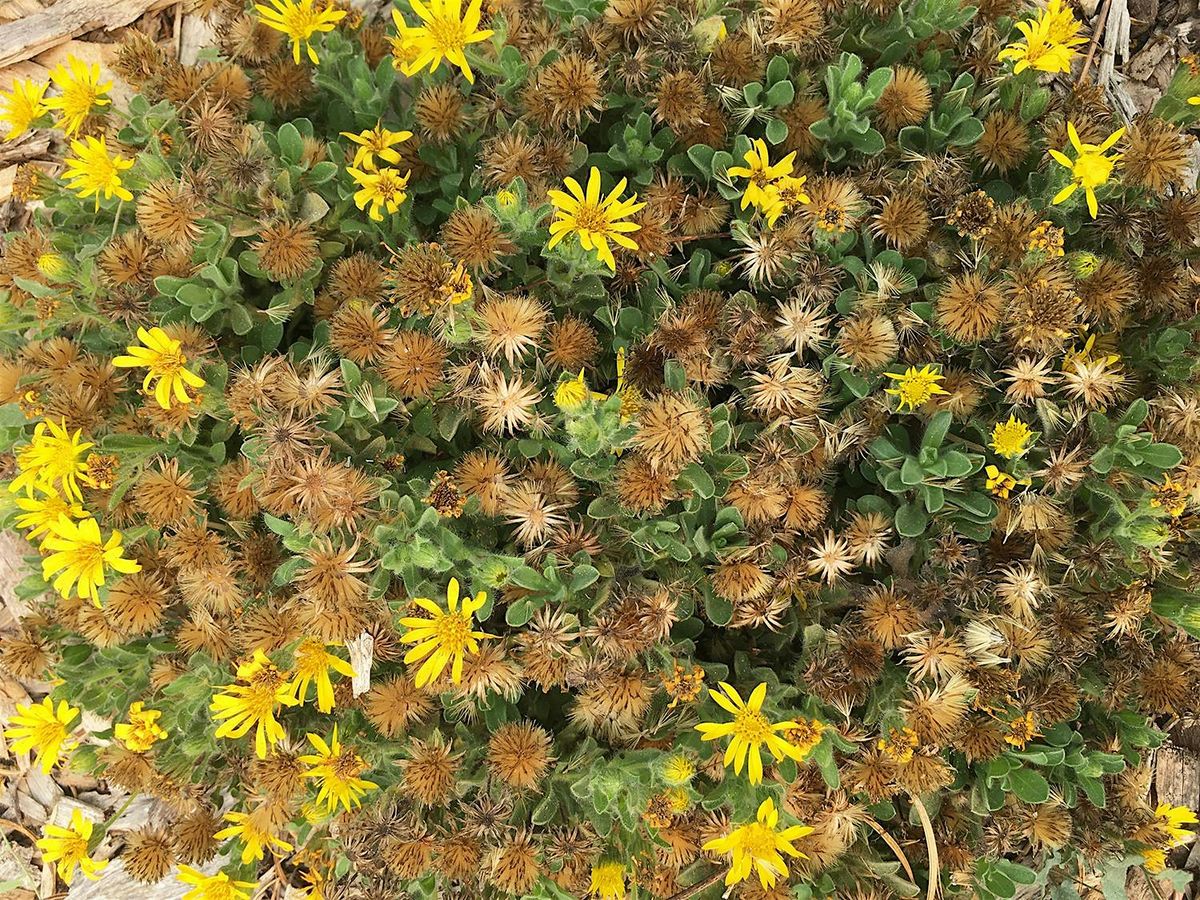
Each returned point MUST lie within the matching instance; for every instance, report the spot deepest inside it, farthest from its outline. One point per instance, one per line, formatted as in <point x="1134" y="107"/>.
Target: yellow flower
<point x="41" y="513"/>
<point x="299" y="21"/>
<point x="41" y="727"/>
<point x="458" y="288"/>
<point x="444" y="637"/>
<point x="1154" y="860"/>
<point x="806" y="735"/>
<point x="252" y="703"/>
<point x="385" y="189"/>
<point x="1172" y="819"/>
<point x="91" y="171"/>
<point x="142" y="731"/>
<point x="785" y="195"/>
<point x="899" y="745"/>
<point x="337" y="769"/>
<point x="54" y="266"/>
<point x="214" y="887"/>
<point x="255" y="838"/>
<point x="68" y="848"/>
<point x="80" y="89"/>
<point x="999" y="483"/>
<point x="572" y="393"/>
<point x="1170" y="496"/>
<point x="1048" y="42"/>
<point x="608" y="881"/>
<point x="631" y="397"/>
<point x="165" y="360"/>
<point x="915" y="387"/>
<point x="23" y="105"/>
<point x="375" y="143"/>
<point x="79" y="557"/>
<point x="596" y="221"/>
<point x="762" y="192"/>
<point x="1165" y="832"/>
<point x="679" y="769"/>
<point x="313" y="664"/>
<point x="1021" y="731"/>
<point x="750" y="730"/>
<point x="507" y="199"/>
<point x="1090" y="169"/>
<point x="1010" y="439"/>
<point x="758" y="846"/>
<point x="444" y="34"/>
<point x="52" y="459"/>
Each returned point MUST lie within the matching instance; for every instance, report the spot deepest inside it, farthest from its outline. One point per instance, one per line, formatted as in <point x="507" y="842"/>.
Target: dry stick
<point x="935" y="866"/>
<point x="896" y="848"/>
<point x="1101" y="21"/>
<point x="695" y="889"/>
<point x="8" y="823"/>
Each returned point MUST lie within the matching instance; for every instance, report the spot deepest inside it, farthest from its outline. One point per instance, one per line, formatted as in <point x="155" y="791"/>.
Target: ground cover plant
<point x="619" y="448"/>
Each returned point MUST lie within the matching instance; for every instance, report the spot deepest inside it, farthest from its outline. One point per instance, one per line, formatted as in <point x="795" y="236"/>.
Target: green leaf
<point x="699" y="480"/>
<point x="291" y="144"/>
<point x="1029" y="785"/>
<point x="911" y="520"/>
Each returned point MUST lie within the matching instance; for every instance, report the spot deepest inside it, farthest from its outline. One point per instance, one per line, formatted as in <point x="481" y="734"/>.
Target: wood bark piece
<point x="37" y="33"/>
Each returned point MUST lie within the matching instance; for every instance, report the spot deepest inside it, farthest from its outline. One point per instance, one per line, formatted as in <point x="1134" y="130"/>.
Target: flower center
<point x="590" y="217"/>
<point x="260" y="693"/>
<point x="832" y="217"/>
<point x="1092" y="169"/>
<point x="453" y="632"/>
<point x="752" y="726"/>
<point x="757" y="840"/>
<point x="170" y="362"/>
<point x="447" y="33"/>
<point x="347" y="765"/>
<point x="87" y="556"/>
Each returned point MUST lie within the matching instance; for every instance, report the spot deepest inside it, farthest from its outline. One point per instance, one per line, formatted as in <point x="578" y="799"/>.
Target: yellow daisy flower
<point x="915" y="387"/>
<point x="375" y="143"/>
<point x="1173" y="818"/>
<point x="68" y="848"/>
<point x="24" y="104"/>
<point x="253" y="702"/>
<point x="1090" y="169"/>
<point x="41" y="513"/>
<point x="608" y="881"/>
<point x="165" y="360"/>
<point x="1047" y="42"/>
<point x="255" y="837"/>
<point x="1010" y="439"/>
<point x="213" y="887"/>
<point x="596" y="221"/>
<point x="763" y="176"/>
<point x="786" y="194"/>
<point x="749" y="730"/>
<point x="91" y="171"/>
<point x="43" y="728"/>
<point x="313" y="663"/>
<point x="337" y="769"/>
<point x="572" y="393"/>
<point x="79" y="92"/>
<point x="444" y="33"/>
<point x="445" y="637"/>
<point x="300" y="22"/>
<point x="758" y="847"/>
<point x="999" y="483"/>
<point x="142" y="731"/>
<point x="53" y="459"/>
<point x="385" y="189"/>
<point x="79" y="556"/>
